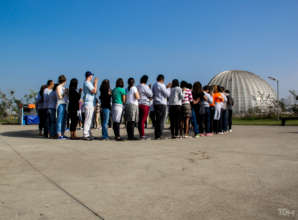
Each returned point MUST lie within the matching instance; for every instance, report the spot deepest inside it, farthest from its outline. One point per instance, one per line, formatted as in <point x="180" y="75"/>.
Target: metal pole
<point x="278" y="106"/>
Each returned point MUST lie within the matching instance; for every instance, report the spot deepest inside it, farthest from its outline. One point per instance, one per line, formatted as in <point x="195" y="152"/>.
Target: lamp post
<point x="277" y="92"/>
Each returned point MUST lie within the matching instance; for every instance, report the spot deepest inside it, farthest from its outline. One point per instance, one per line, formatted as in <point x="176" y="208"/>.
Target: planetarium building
<point x="249" y="91"/>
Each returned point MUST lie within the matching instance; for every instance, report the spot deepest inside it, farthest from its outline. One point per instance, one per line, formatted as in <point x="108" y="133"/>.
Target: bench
<point x="284" y="119"/>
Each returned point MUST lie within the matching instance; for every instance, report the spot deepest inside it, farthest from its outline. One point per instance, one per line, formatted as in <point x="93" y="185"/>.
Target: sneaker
<point x="202" y="135"/>
<point x="197" y="136"/>
<point x="133" y="139"/>
<point x="220" y="133"/>
<point x="118" y="139"/>
<point x="87" y="139"/>
<point x="209" y="134"/>
<point x="145" y="138"/>
<point x="61" y="138"/>
<point x="65" y="137"/>
<point x="230" y="130"/>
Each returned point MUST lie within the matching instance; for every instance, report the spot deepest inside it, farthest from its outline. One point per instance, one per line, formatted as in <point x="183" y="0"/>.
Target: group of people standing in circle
<point x="206" y="110"/>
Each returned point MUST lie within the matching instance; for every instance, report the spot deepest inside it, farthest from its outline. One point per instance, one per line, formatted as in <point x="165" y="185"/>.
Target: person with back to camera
<point x="131" y="108"/>
<point x="160" y="95"/>
<point x="175" y="105"/>
<point x="144" y="104"/>
<point x="105" y="100"/>
<point x="230" y="104"/>
<point x="186" y="107"/>
<point x="118" y="99"/>
<point x="40" y="107"/>
<point x="74" y="106"/>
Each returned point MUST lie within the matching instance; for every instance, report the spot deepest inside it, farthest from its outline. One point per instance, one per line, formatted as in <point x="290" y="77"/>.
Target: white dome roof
<point x="247" y="89"/>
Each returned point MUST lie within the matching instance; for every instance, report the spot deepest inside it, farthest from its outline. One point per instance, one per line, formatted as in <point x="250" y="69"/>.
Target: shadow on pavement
<point x="22" y="134"/>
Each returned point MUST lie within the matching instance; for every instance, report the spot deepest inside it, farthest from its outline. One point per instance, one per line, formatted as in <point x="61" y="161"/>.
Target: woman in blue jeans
<point x="62" y="98"/>
<point x="105" y="99"/>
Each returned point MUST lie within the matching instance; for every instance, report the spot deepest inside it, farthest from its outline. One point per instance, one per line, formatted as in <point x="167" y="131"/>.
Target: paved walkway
<point x="250" y="174"/>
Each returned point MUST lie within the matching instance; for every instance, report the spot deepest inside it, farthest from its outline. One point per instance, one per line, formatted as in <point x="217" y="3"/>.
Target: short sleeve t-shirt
<point x="117" y="94"/>
<point x="131" y="98"/>
<point x="89" y="98"/>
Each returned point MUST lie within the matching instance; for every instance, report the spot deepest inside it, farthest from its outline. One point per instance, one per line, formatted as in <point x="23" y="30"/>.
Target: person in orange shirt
<point x="217" y="100"/>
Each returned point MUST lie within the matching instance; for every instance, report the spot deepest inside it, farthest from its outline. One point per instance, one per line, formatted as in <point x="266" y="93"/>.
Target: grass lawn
<point x="263" y="122"/>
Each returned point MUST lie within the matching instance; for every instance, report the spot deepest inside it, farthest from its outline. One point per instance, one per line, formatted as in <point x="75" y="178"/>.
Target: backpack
<point x="230" y="101"/>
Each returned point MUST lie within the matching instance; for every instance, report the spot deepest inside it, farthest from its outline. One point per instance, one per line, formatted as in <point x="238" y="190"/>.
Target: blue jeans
<point x="204" y="121"/>
<point x="105" y="117"/>
<point x="194" y="121"/>
<point x="224" y="120"/>
<point x="61" y="119"/>
<point x="50" y="125"/>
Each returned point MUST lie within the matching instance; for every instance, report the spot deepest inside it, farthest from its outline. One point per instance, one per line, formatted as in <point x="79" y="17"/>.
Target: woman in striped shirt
<point x="186" y="107"/>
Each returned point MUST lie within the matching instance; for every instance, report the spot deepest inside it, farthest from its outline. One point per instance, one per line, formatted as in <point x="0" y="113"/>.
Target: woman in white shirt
<point x="131" y="108"/>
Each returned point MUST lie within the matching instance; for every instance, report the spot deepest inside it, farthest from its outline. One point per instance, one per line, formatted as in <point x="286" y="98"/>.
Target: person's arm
<point x="94" y="90"/>
<point x="124" y="99"/>
<point x="165" y="91"/>
<point x="137" y="95"/>
<point x="46" y="97"/>
<point x="209" y="99"/>
<point x="196" y="101"/>
<point x="190" y="97"/>
<point x="148" y="92"/>
<point x="59" y="95"/>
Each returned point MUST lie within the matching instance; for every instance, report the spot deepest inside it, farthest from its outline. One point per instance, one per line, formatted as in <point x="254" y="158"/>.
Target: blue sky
<point x="190" y="39"/>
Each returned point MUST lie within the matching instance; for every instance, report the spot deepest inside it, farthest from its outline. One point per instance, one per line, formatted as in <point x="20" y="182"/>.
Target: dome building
<point x="249" y="91"/>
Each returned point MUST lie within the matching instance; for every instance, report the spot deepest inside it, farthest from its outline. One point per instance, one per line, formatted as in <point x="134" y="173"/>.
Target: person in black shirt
<point x="105" y="99"/>
<point x="73" y="107"/>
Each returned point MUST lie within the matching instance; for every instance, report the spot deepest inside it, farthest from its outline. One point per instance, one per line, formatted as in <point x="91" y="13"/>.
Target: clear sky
<point x="188" y="39"/>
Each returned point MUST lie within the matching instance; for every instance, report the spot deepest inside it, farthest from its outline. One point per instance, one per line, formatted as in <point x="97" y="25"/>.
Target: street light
<point x="277" y="91"/>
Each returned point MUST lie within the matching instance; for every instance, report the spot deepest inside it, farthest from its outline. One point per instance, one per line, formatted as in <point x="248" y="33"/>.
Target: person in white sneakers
<point x="89" y="90"/>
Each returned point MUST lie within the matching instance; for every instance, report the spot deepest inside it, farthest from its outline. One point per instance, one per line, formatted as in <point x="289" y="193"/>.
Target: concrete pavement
<point x="249" y="174"/>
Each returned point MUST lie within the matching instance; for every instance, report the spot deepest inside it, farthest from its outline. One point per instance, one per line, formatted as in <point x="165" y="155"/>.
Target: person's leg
<point x="130" y="129"/>
<point x="194" y="121"/>
<point x="104" y="122"/>
<point x="159" y="117"/>
<point x="88" y="121"/>
<point x="53" y="131"/>
<point x="47" y="124"/>
<point x="230" y="118"/>
<point x="116" y="130"/>
<point x="59" y="119"/>
<point x="163" y="117"/>
<point x="207" y="119"/>
<point x="226" y="115"/>
<point x="152" y="117"/>
<point x="187" y="126"/>
<point x="172" y="119"/>
<point x="64" y="119"/>
<point x="73" y="124"/>
<point x="201" y="122"/>
<point x="212" y="119"/>
<point x="140" y="123"/>
<point x="40" y="121"/>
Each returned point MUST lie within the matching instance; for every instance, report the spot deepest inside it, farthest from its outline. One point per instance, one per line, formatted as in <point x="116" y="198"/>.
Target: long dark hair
<point x="104" y="87"/>
<point x="73" y="85"/>
<point x="61" y="79"/>
<point x="183" y="84"/>
<point x="119" y="83"/>
<point x="42" y="88"/>
<point x="197" y="89"/>
<point x="175" y="83"/>
<point x="130" y="82"/>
